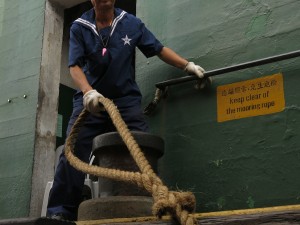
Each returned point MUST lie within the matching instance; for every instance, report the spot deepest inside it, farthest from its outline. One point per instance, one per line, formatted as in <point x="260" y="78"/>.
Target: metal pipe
<point x="241" y="66"/>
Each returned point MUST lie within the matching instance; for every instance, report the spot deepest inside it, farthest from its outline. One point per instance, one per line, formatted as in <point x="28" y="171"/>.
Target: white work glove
<point x="193" y="69"/>
<point x="91" y="102"/>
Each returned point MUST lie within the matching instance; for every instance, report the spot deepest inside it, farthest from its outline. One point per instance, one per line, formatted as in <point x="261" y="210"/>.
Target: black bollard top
<point x="113" y="140"/>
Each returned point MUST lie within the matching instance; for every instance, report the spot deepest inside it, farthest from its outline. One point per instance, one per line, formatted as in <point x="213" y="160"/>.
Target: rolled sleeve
<point x="76" y="47"/>
<point x="148" y="44"/>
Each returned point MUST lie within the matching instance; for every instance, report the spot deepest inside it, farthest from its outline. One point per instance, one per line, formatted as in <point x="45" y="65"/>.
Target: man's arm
<point x="79" y="79"/>
<point x="90" y="96"/>
<point x="169" y="56"/>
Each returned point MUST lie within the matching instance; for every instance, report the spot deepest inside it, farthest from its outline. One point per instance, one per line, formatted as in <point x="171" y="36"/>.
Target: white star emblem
<point x="126" y="40"/>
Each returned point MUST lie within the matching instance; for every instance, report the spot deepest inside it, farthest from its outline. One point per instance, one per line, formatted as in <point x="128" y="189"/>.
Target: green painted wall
<point x="246" y="163"/>
<point x="251" y="162"/>
<point x="21" y="31"/>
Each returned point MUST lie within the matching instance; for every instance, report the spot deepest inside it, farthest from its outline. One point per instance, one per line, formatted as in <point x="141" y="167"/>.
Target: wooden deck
<point x="282" y="215"/>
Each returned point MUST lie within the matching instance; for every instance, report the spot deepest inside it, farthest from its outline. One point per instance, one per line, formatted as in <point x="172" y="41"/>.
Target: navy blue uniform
<point x="112" y="75"/>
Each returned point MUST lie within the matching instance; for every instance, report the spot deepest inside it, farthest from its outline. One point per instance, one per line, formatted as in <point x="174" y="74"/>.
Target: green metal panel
<point x="246" y="163"/>
<point x="65" y="108"/>
<point x="21" y="31"/>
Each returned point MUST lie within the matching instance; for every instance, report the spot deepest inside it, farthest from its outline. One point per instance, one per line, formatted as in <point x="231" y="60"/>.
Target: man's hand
<point x="91" y="102"/>
<point x="193" y="69"/>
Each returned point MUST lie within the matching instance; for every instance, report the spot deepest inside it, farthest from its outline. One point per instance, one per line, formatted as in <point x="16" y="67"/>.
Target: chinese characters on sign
<point x="250" y="98"/>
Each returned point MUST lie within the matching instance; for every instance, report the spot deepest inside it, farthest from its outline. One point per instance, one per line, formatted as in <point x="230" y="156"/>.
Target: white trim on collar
<point x="93" y="26"/>
<point x="115" y="22"/>
<point x="89" y="24"/>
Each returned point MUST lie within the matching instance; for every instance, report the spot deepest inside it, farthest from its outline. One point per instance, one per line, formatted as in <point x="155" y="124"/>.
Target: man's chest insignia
<point x="126" y="40"/>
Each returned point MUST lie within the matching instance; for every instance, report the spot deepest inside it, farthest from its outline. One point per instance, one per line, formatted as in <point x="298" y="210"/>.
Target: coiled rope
<point x="180" y="205"/>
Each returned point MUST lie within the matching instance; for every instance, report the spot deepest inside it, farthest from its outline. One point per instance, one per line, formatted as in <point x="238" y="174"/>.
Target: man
<point x="102" y="47"/>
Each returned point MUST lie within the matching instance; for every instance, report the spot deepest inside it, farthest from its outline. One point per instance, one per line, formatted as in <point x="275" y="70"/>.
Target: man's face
<point x="103" y="4"/>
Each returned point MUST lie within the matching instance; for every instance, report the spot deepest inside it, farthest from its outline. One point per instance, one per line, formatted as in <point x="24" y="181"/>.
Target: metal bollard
<point x="120" y="199"/>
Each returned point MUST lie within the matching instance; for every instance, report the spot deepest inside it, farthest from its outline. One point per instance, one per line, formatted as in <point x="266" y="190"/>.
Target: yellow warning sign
<point x="250" y="98"/>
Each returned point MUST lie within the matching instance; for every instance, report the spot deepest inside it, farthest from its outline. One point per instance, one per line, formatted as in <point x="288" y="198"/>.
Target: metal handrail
<point x="259" y="62"/>
<point x="161" y="87"/>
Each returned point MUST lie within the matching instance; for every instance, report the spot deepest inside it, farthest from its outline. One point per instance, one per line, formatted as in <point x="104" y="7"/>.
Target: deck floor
<point x="283" y="215"/>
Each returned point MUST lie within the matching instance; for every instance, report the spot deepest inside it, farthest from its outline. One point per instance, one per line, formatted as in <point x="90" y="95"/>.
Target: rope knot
<point x="165" y="201"/>
<point x="186" y="200"/>
<point x="180" y="205"/>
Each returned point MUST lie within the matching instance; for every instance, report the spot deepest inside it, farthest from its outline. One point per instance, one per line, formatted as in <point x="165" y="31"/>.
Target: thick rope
<point x="180" y="205"/>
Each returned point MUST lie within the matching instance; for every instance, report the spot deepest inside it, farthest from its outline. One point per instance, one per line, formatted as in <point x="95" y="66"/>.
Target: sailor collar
<point x="93" y="27"/>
